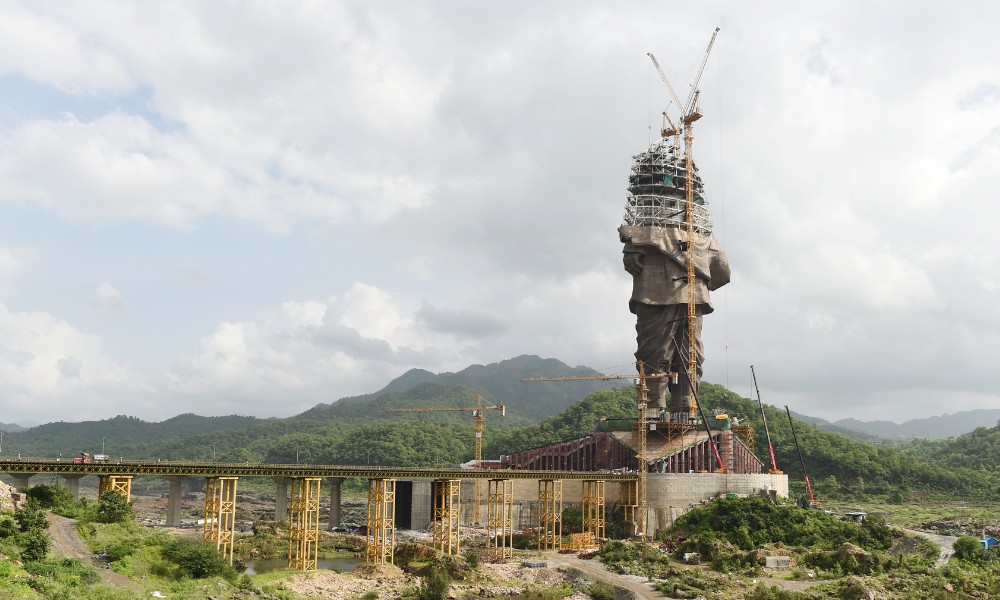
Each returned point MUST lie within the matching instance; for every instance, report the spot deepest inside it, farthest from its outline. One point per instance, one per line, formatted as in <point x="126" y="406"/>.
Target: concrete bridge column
<point x="174" y="500"/>
<point x="21" y="480"/>
<point x="281" y="499"/>
<point x="334" y="501"/>
<point x="420" y="505"/>
<point x="73" y="484"/>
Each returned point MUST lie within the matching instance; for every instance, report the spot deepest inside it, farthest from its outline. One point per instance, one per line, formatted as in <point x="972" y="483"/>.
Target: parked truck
<point x="86" y="458"/>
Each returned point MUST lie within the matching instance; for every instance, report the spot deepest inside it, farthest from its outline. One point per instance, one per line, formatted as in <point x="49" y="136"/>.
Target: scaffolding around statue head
<point x="656" y="190"/>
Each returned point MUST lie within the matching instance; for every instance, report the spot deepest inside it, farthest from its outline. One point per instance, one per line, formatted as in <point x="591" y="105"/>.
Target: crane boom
<point x="596" y="377"/>
<point x="499" y="407"/>
<point x="689" y="105"/>
<point x="802" y="461"/>
<point x="673" y="94"/>
<point x="767" y="432"/>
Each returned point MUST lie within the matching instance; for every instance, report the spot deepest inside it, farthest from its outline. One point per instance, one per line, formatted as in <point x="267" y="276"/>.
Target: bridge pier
<point x="73" y="484"/>
<point x="21" y="479"/>
<point x="334" y="501"/>
<point x="174" y="497"/>
<point x="421" y="504"/>
<point x="281" y="498"/>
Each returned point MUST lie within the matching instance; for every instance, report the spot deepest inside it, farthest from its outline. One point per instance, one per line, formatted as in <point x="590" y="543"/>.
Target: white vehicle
<point x="101" y="458"/>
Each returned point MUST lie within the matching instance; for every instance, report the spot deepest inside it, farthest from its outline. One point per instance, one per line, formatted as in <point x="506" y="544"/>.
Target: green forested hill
<point x="979" y="449"/>
<point x="362" y="431"/>
<point x="838" y="465"/>
<point x="116" y="434"/>
<point x="498" y="383"/>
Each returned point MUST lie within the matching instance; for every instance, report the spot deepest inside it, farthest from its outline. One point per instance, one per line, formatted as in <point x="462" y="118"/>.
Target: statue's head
<point x="657" y="190"/>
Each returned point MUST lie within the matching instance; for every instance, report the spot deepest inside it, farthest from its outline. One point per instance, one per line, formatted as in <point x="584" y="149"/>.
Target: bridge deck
<point x="214" y="469"/>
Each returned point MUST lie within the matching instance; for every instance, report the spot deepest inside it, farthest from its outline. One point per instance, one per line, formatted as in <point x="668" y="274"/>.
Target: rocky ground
<point x="493" y="581"/>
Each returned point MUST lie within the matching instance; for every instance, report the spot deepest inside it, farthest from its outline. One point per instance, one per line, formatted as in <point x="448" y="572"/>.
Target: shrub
<point x="114" y="508"/>
<point x="50" y="496"/>
<point x="471" y="559"/>
<point x="7" y="527"/>
<point x="436" y="585"/>
<point x="64" y="568"/>
<point x="970" y="549"/>
<point x="601" y="590"/>
<point x="34" y="545"/>
<point x="196" y="559"/>
<point x="120" y="550"/>
<point x="30" y="516"/>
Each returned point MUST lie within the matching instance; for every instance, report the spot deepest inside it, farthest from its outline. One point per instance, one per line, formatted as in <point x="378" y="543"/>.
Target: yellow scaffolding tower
<point x="121" y="484"/>
<point x="549" y="514"/>
<point x="447" y="507"/>
<point x="746" y="434"/>
<point x="381" y="521"/>
<point x="500" y="520"/>
<point x="593" y="512"/>
<point x="303" y="528"/>
<point x="220" y="513"/>
<point x="630" y="503"/>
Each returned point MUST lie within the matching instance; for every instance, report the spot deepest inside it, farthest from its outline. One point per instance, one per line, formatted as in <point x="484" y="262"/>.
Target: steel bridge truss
<point x="381" y="521"/>
<point x="549" y="514"/>
<point x="220" y="513"/>
<point x="500" y="520"/>
<point x="447" y="510"/>
<point x="303" y="528"/>
<point x="120" y="484"/>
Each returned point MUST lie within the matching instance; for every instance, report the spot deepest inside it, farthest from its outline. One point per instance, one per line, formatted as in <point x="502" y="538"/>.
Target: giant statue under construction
<point x="659" y="248"/>
<point x="680" y="454"/>
<point x="672" y="257"/>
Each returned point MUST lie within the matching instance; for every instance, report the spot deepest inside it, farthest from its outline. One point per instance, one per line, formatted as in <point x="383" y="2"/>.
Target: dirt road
<point x="947" y="543"/>
<point x="636" y="585"/>
<point x="67" y="543"/>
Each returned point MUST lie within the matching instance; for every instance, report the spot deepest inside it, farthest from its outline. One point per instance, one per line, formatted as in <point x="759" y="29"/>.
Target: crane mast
<point x="690" y="112"/>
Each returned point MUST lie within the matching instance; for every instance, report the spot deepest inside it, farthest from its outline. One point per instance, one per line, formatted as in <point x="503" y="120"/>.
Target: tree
<point x="31" y="517"/>
<point x="970" y="549"/>
<point x="436" y="585"/>
<point x="34" y="545"/>
<point x="114" y="508"/>
<point x="50" y="496"/>
<point x="196" y="559"/>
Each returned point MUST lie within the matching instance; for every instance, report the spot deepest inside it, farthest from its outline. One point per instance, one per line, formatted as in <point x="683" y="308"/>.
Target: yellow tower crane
<point x="478" y="419"/>
<point x="690" y="112"/>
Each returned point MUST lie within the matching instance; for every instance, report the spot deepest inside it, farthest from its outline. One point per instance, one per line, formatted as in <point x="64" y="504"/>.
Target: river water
<point x="258" y="567"/>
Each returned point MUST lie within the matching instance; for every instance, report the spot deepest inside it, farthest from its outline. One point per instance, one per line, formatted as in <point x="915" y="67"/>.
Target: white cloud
<point x="11" y="263"/>
<point x="49" y="369"/>
<point x="107" y="297"/>
<point x="446" y="182"/>
<point x="53" y="52"/>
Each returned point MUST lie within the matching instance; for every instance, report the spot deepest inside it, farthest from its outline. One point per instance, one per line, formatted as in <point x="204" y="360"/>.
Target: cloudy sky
<point x="254" y="207"/>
